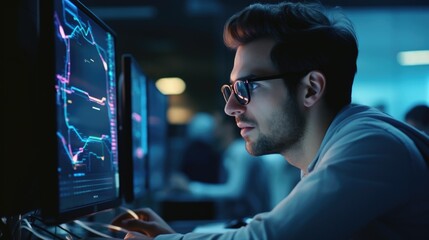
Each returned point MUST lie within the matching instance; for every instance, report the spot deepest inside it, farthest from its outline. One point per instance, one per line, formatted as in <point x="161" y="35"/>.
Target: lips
<point x="243" y="125"/>
<point x="245" y="128"/>
<point x="245" y="132"/>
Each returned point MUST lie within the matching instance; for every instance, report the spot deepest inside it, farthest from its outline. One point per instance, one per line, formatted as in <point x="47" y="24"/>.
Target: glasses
<point x="241" y="88"/>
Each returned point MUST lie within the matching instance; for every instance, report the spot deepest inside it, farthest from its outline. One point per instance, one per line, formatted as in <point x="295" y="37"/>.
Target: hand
<point x="136" y="235"/>
<point x="148" y="223"/>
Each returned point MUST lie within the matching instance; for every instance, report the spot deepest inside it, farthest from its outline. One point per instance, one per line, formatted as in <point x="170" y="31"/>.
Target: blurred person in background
<point x="200" y="160"/>
<point x="243" y="189"/>
<point x="281" y="176"/>
<point x="418" y="116"/>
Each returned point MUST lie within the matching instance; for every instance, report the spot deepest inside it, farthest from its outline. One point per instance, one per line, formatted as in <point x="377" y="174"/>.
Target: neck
<point x="306" y="149"/>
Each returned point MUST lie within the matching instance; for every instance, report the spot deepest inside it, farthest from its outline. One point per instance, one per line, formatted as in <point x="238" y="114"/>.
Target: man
<point x="364" y="174"/>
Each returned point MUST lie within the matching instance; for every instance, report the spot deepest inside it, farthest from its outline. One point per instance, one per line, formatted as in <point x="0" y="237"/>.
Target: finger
<point x="148" y="228"/>
<point x="136" y="225"/>
<point x="117" y="220"/>
<point x="143" y="214"/>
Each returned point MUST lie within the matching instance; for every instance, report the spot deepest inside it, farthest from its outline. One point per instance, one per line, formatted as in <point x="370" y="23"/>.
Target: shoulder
<point x="360" y="138"/>
<point x="366" y="125"/>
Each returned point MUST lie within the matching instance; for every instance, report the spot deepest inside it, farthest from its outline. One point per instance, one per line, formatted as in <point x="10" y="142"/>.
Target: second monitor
<point x="133" y="129"/>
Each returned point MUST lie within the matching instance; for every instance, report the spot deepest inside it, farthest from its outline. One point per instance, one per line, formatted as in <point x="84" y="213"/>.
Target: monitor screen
<point x="83" y="178"/>
<point x="158" y="133"/>
<point x="133" y="129"/>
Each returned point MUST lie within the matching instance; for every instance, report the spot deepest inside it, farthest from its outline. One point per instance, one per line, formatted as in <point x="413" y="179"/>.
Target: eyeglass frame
<point x="247" y="80"/>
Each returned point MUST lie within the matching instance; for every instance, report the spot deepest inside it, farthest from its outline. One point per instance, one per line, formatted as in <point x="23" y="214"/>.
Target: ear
<point x="315" y="83"/>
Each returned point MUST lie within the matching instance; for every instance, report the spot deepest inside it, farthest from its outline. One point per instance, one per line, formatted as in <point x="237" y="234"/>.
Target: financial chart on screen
<point x="86" y="108"/>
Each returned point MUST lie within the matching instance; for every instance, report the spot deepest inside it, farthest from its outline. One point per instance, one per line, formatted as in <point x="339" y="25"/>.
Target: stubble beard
<point x="285" y="130"/>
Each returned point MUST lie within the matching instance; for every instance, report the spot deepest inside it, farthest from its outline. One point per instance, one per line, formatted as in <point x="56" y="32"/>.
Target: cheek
<point x="269" y="104"/>
<point x="275" y="100"/>
<point x="271" y="108"/>
<point x="264" y="112"/>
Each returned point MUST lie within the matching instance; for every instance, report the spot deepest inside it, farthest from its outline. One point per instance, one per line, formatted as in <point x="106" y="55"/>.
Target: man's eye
<point x="253" y="85"/>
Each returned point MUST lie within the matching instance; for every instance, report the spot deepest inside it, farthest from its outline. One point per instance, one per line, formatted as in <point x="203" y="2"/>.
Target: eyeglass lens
<point x="240" y="89"/>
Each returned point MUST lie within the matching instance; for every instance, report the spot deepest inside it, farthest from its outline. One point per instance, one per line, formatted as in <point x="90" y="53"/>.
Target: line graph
<point x="85" y="94"/>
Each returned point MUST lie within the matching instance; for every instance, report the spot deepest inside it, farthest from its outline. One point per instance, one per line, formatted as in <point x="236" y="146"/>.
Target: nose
<point x="233" y="107"/>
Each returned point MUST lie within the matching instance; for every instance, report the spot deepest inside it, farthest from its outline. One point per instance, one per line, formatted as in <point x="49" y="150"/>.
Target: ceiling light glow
<point x="171" y="85"/>
<point x="411" y="58"/>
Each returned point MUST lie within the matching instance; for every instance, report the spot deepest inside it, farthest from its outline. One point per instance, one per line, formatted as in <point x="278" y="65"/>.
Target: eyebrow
<point x="244" y="78"/>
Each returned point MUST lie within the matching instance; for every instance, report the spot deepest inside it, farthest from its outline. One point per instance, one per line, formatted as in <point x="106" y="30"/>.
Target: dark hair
<point x="308" y="38"/>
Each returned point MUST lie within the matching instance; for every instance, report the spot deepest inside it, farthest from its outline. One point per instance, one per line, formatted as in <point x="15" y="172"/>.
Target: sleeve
<point x="249" y="233"/>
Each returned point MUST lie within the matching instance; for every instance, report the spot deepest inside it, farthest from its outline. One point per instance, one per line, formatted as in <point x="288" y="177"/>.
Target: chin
<point x="250" y="147"/>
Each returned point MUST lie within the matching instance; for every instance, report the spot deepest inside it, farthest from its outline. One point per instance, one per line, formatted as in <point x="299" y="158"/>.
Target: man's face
<point x="272" y="121"/>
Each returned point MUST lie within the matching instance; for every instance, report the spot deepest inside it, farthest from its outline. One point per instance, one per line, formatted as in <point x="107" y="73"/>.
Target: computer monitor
<point x="133" y="129"/>
<point x="158" y="134"/>
<point x="81" y="163"/>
